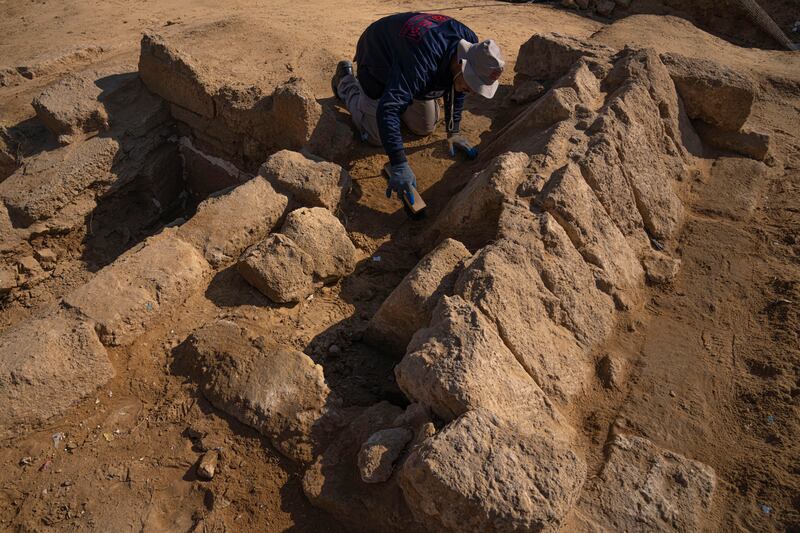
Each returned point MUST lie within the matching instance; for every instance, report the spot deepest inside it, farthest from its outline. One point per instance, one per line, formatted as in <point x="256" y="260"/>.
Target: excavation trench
<point x="236" y="262"/>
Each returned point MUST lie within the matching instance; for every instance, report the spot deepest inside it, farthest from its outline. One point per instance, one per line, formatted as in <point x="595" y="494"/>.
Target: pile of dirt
<point x="500" y="366"/>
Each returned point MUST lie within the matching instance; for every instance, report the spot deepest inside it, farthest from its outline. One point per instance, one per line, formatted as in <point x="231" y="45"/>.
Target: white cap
<point x="482" y="65"/>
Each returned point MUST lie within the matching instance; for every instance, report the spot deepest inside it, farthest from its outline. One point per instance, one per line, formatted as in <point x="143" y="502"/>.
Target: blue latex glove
<point x="401" y="179"/>
<point x="457" y="142"/>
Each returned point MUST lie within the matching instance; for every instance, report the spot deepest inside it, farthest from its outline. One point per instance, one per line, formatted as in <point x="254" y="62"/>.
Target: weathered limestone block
<point x="230" y="221"/>
<point x="712" y="92"/>
<point x="641" y="120"/>
<point x="54" y="179"/>
<point x="308" y="181"/>
<point x="410" y="305"/>
<point x="526" y="91"/>
<point x="333" y="482"/>
<point x="572" y="202"/>
<point x="323" y="237"/>
<point x="645" y="488"/>
<point x="127" y="296"/>
<point x="750" y="143"/>
<point x="8" y="279"/>
<point x="603" y="171"/>
<point x="549" y="56"/>
<point x="582" y="308"/>
<point x="72" y="105"/>
<point x="205" y="174"/>
<point x="295" y="114"/>
<point x="482" y="473"/>
<point x="279" y="268"/>
<point x="378" y="455"/>
<point x="176" y="76"/>
<point x="506" y="286"/>
<point x="276" y="390"/>
<point x="46" y="366"/>
<point x="660" y="268"/>
<point x="460" y="363"/>
<point x="471" y="215"/>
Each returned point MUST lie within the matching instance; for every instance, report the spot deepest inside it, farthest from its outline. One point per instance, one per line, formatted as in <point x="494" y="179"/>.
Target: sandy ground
<point x="714" y="359"/>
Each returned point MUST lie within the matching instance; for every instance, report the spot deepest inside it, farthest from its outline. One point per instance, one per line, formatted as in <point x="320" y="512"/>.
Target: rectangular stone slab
<point x="127" y="296"/>
<point x="46" y="366"/>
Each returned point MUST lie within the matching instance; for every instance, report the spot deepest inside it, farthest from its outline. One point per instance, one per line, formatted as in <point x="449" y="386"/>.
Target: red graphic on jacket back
<point x="418" y="25"/>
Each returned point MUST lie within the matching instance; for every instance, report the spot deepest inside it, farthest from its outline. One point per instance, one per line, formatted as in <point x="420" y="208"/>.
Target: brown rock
<point x="660" y="268"/>
<point x="175" y="76"/>
<point x="645" y="148"/>
<point x="548" y="57"/>
<point x="408" y="308"/>
<point x="8" y="280"/>
<point x="572" y="202"/>
<point x="46" y="366"/>
<point x="611" y="370"/>
<point x="295" y="114"/>
<point x="645" y="488"/>
<point x="30" y="271"/>
<point x="54" y="179"/>
<point x="309" y="182"/>
<point x="482" y="473"/>
<point x="604" y="7"/>
<point x="526" y="90"/>
<point x="276" y="390"/>
<point x="230" y="221"/>
<point x="712" y="92"/>
<point x="471" y="215"/>
<point x="460" y="363"/>
<point x="72" y="105"/>
<point x="127" y="296"/>
<point x="323" y="237"/>
<point x="332" y="483"/>
<point x="46" y="257"/>
<point x="582" y="307"/>
<point x="380" y="452"/>
<point x="505" y="284"/>
<point x="208" y="465"/>
<point x="279" y="268"/>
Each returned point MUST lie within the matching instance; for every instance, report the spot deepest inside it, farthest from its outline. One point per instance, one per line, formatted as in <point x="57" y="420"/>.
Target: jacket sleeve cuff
<point x="395" y="158"/>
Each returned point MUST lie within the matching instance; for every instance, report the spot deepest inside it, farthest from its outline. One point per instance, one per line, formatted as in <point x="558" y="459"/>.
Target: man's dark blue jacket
<point x="405" y="57"/>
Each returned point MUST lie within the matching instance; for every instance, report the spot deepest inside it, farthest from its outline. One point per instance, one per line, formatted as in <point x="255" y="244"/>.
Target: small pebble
<point x="208" y="465"/>
<point x="334" y="349"/>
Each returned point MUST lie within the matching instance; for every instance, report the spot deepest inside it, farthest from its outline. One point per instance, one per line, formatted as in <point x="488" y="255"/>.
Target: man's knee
<point x="421" y="117"/>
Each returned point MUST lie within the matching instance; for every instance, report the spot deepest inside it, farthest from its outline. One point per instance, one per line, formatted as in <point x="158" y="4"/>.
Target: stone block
<point x="279" y="268"/>
<point x="308" y="181"/>
<point x="134" y="291"/>
<point x="230" y="221"/>
<point x="276" y="390"/>
<point x="460" y="363"/>
<point x="410" y="305"/>
<point x="645" y="488"/>
<point x="711" y="92"/>
<point x="323" y="237"/>
<point x="482" y="473"/>
<point x="547" y="57"/>
<point x="46" y="366"/>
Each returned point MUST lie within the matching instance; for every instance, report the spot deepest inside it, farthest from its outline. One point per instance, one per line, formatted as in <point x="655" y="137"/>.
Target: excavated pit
<point x="438" y="378"/>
